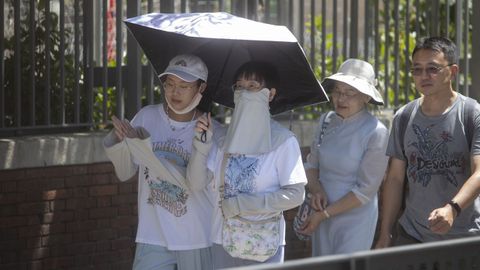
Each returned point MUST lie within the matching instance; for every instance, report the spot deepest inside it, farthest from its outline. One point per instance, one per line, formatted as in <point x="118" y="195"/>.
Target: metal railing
<point x="458" y="254"/>
<point x="70" y="64"/>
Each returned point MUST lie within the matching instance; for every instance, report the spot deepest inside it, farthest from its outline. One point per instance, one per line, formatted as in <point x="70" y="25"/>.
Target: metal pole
<point x="134" y="66"/>
<point x="475" y="60"/>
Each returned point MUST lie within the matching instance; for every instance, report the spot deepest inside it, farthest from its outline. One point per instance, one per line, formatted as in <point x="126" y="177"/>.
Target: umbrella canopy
<point x="225" y="42"/>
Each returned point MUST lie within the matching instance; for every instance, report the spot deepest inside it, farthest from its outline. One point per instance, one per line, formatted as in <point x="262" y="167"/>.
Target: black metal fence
<point x="70" y="65"/>
<point x="459" y="254"/>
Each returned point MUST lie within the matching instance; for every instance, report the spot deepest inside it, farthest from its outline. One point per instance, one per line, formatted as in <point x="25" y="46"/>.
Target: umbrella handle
<point x="203" y="137"/>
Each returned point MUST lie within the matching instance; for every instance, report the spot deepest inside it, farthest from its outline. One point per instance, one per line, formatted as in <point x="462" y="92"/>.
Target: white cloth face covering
<point x="249" y="131"/>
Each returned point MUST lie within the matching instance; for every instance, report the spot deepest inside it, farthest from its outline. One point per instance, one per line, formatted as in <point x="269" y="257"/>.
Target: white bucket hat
<point x="358" y="74"/>
<point x="187" y="67"/>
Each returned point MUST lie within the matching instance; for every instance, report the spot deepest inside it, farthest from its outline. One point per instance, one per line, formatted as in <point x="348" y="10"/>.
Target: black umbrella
<point x="225" y="42"/>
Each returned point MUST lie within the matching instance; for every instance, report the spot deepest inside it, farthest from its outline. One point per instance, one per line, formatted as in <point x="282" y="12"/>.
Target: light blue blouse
<point x="351" y="157"/>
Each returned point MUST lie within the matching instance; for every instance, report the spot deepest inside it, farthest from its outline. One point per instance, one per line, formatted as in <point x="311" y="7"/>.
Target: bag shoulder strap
<point x="468" y="118"/>
<point x="404" y="118"/>
<point x="326" y="118"/>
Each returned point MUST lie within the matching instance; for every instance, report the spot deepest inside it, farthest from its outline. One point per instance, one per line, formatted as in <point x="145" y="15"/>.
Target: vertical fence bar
<point x="88" y="57"/>
<point x="466" y="69"/>
<point x="447" y="19"/>
<point x="268" y="16"/>
<point x="134" y="66"/>
<point x="366" y="30"/>
<point x="150" y="71"/>
<point x="387" y="46"/>
<point x="32" y="63"/>
<point x="104" y="60"/>
<point x="475" y="60"/>
<point x="76" y="113"/>
<point x="312" y="34"/>
<point x="377" y="38"/>
<point x="406" y="88"/>
<point x="366" y="22"/>
<point x="354" y="28"/>
<point x="62" y="62"/>
<point x="434" y="27"/>
<point x="417" y="20"/>
<point x="120" y="112"/>
<point x="183" y="5"/>
<point x="48" y="86"/>
<point x="323" y="42"/>
<point x="396" y="51"/>
<point x="17" y="61"/>
<point x="458" y="35"/>
<point x="335" y="35"/>
<point x="165" y="6"/>
<point x="279" y="9"/>
<point x="301" y="21"/>
<point x="345" y="29"/>
<point x="221" y="6"/>
<point x="2" y="65"/>
<point x="290" y="15"/>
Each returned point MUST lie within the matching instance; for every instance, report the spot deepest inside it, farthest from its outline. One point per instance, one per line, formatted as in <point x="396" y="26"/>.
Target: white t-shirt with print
<point x="255" y="174"/>
<point x="170" y="216"/>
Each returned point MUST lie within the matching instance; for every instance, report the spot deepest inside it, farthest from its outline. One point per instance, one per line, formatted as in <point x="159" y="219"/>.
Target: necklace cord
<point x="170" y="123"/>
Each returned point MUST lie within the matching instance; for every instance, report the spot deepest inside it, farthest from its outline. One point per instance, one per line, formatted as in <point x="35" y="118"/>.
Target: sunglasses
<point x="431" y="70"/>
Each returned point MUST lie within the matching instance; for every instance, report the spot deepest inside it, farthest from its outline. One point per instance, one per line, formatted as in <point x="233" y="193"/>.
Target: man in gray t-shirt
<point x="431" y="148"/>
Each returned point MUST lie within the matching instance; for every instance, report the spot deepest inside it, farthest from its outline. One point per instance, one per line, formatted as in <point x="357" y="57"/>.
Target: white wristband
<point x="326" y="213"/>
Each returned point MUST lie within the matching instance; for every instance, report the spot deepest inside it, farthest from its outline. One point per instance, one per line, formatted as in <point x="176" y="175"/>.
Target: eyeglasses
<point x="431" y="70"/>
<point x="346" y="95"/>
<point x="181" y="89"/>
<point x="253" y="86"/>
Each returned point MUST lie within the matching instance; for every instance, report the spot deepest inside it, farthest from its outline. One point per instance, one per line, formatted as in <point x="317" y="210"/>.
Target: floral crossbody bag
<point x="256" y="240"/>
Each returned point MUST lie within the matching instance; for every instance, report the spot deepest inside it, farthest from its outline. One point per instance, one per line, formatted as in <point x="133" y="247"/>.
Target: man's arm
<point x="441" y="219"/>
<point x="391" y="200"/>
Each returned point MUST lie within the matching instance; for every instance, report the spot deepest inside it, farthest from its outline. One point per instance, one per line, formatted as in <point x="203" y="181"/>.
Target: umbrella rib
<point x="221" y="74"/>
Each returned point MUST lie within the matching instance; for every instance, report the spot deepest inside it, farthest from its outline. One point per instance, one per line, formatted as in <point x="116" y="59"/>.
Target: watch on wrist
<point x="455" y="206"/>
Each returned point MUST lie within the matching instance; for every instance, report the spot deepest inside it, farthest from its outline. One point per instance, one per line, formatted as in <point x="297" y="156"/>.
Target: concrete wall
<point x="62" y="207"/>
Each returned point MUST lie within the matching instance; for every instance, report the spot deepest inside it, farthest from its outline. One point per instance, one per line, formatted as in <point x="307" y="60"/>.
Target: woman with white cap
<point x="346" y="164"/>
<point x="174" y="218"/>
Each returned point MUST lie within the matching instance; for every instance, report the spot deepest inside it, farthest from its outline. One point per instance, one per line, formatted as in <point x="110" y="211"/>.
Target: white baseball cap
<point x="187" y="67"/>
<point x="358" y="74"/>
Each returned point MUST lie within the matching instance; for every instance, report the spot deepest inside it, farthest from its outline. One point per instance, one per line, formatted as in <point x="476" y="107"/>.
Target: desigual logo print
<point x="432" y="158"/>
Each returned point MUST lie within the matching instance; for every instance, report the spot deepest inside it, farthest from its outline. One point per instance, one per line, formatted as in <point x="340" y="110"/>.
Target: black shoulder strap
<point x="469" y="121"/>
<point x="403" y="122"/>
<point x="325" y="121"/>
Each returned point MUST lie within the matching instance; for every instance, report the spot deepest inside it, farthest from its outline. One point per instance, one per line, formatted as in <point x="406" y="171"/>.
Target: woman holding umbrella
<point x="174" y="217"/>
<point x="346" y="169"/>
<point x="255" y="169"/>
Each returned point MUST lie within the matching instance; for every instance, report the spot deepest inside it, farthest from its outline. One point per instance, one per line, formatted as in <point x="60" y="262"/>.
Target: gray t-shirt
<point x="438" y="165"/>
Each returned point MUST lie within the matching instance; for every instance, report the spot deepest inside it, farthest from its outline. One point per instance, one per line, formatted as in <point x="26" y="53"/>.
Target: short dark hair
<point x="439" y="44"/>
<point x="262" y="71"/>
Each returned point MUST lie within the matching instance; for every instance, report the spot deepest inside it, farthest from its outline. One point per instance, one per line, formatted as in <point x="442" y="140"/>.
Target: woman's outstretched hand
<point x="123" y="129"/>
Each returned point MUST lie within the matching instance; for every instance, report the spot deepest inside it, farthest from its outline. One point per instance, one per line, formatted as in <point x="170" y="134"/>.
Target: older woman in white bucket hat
<point x="346" y="164"/>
